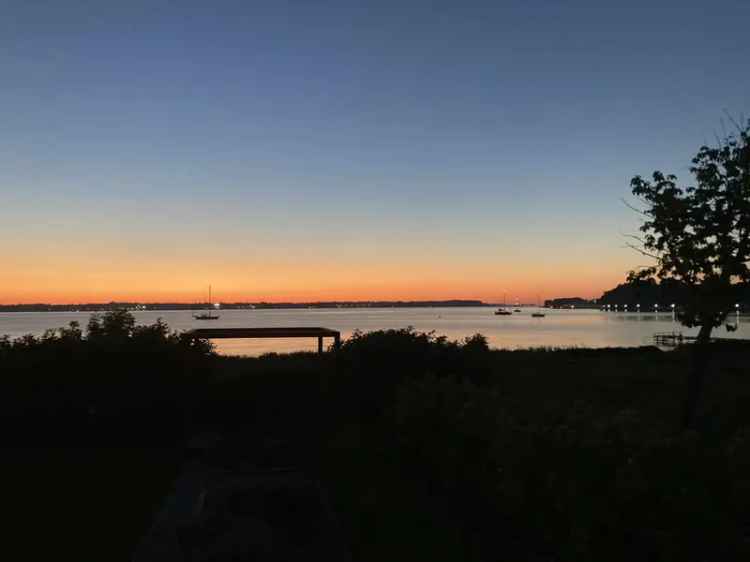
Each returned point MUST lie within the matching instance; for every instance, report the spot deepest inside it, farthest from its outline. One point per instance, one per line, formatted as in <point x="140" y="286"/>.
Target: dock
<point x="671" y="339"/>
<point x="248" y="333"/>
<point x="674" y="339"/>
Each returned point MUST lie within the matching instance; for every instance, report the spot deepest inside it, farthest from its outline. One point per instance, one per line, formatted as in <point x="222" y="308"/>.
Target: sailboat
<point x="207" y="315"/>
<point x="502" y="311"/>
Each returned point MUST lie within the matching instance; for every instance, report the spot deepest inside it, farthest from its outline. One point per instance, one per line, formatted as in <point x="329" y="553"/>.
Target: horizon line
<point x="270" y="302"/>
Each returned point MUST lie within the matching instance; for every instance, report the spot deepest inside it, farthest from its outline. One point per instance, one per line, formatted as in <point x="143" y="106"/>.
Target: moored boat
<point x="207" y="315"/>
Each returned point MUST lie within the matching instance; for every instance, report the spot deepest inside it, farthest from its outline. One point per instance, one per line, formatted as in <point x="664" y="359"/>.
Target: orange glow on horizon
<point x="101" y="277"/>
<point x="315" y="286"/>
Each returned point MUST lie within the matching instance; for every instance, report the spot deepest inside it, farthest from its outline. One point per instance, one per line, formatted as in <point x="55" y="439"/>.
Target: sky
<point x="344" y="150"/>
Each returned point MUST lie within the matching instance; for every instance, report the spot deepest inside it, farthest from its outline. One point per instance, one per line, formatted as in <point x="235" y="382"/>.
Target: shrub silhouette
<point x="116" y="379"/>
<point x="376" y="362"/>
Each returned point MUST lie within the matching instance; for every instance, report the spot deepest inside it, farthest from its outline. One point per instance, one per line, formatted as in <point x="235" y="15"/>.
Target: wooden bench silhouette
<point x="295" y="332"/>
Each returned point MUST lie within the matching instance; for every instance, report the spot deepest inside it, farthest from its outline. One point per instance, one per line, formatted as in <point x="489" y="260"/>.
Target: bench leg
<point x="320" y="344"/>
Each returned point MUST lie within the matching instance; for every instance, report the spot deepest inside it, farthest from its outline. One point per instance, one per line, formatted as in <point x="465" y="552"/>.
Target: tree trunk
<point x="697" y="376"/>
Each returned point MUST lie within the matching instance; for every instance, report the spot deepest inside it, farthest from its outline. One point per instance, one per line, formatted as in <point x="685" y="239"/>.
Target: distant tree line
<point x="110" y="306"/>
<point x="570" y="302"/>
<point x="649" y="292"/>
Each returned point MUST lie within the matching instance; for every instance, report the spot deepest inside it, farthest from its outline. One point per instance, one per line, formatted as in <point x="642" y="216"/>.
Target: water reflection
<point x="559" y="328"/>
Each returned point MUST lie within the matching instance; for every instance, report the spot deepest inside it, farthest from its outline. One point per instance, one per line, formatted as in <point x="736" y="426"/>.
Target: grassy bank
<point x="428" y="448"/>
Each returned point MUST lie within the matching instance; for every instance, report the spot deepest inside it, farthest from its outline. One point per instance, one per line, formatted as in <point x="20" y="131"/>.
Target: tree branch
<point x="633" y="236"/>
<point x="641" y="251"/>
<point x="733" y="121"/>
<point x="632" y="208"/>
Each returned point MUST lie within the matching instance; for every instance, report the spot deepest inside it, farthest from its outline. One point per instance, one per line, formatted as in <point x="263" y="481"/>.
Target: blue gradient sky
<point x="315" y="150"/>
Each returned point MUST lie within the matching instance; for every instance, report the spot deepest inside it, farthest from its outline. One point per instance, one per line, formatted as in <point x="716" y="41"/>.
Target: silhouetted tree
<point x="699" y="236"/>
<point x="115" y="325"/>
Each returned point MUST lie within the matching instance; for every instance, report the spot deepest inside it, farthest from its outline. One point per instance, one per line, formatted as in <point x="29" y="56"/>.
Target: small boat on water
<point x="502" y="311"/>
<point x="207" y="315"/>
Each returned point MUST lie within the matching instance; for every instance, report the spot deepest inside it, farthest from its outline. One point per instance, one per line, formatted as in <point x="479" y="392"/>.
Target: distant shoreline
<point x="104" y="307"/>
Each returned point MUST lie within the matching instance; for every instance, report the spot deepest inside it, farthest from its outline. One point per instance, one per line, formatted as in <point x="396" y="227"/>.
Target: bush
<point x="376" y="362"/>
<point x="118" y="378"/>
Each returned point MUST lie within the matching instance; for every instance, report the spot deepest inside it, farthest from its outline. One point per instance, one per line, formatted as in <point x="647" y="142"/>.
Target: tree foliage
<point x="700" y="235"/>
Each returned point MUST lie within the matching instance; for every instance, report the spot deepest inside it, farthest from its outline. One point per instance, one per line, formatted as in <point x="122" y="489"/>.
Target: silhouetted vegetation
<point x="451" y="451"/>
<point x="649" y="292"/>
<point x="430" y="449"/>
<point x="699" y="237"/>
<point x="114" y="382"/>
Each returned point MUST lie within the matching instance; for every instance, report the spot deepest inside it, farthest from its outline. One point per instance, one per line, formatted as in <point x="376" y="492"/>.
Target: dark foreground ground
<point x="426" y="450"/>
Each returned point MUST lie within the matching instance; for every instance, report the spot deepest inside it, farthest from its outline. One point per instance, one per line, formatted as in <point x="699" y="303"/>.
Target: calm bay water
<point x="559" y="328"/>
